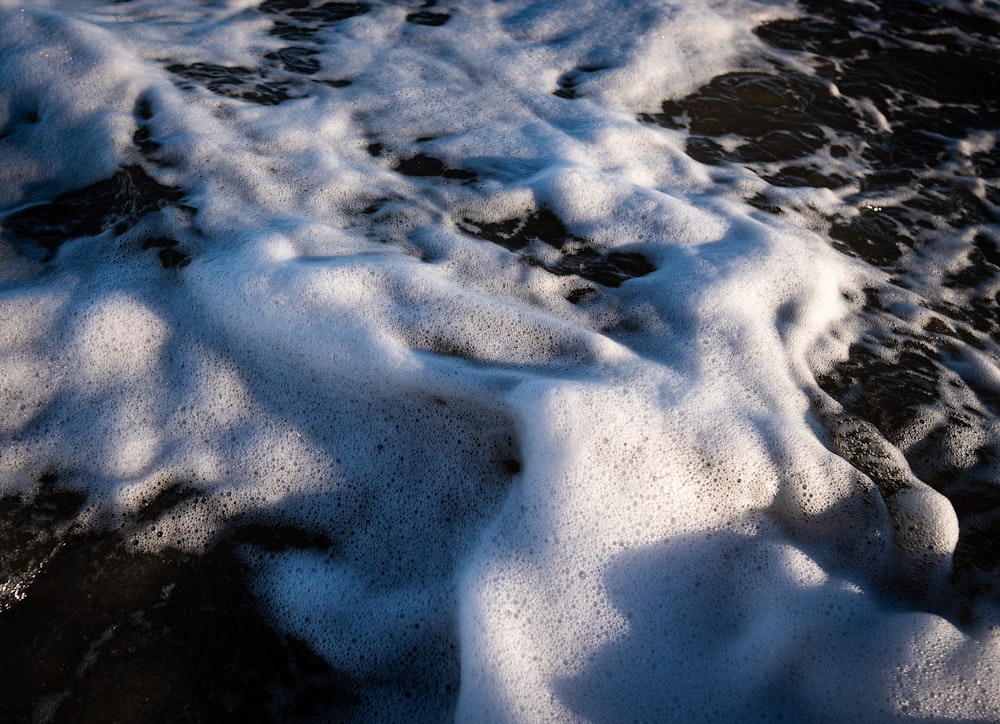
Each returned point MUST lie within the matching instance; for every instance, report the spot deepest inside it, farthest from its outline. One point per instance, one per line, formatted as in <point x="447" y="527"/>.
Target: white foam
<point x="615" y="509"/>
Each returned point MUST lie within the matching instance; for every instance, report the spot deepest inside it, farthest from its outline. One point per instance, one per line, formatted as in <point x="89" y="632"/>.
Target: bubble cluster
<point x="476" y="360"/>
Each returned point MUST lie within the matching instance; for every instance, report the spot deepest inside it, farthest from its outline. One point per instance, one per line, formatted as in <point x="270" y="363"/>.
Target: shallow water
<point x="499" y="361"/>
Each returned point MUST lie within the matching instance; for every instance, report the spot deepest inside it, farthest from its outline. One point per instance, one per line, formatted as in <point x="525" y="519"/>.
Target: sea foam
<point x="543" y="385"/>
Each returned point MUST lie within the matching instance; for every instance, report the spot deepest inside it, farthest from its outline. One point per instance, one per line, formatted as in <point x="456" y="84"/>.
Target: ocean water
<point x="495" y="360"/>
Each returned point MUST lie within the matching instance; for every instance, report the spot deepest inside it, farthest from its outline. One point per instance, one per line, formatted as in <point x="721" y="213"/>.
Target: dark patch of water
<point x="609" y="269"/>
<point x="144" y="142"/>
<point x="424" y="165"/>
<point x="233" y="82"/>
<point x="890" y="116"/>
<point x="305" y="10"/>
<point x="782" y="117"/>
<point x="428" y="18"/>
<point x="578" y="256"/>
<point x="95" y="630"/>
<point x="116" y="203"/>
<point x="569" y="82"/>
<point x="516" y="233"/>
<point x="924" y="69"/>
<point x="916" y="392"/>
<point x="302" y="21"/>
<point x="296" y="60"/>
<point x="169" y="255"/>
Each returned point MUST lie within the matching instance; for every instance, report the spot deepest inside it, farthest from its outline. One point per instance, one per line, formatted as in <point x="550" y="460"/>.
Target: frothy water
<point x="499" y="361"/>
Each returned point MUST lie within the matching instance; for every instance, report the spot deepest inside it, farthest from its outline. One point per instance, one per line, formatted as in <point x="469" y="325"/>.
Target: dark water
<point x="933" y="73"/>
<point x="98" y="632"/>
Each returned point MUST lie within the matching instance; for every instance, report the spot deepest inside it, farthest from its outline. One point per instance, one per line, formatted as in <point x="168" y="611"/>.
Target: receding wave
<point x="499" y="361"/>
